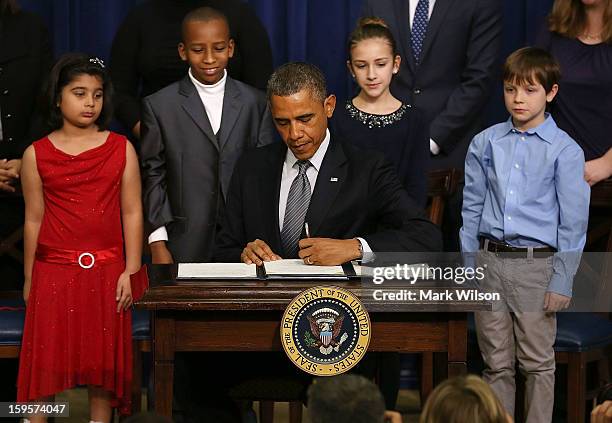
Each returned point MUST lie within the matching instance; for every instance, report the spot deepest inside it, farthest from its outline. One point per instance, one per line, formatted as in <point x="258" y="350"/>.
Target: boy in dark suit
<point x="192" y="134"/>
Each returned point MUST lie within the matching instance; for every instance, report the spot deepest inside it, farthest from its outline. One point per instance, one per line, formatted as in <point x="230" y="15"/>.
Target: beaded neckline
<point x="376" y="121"/>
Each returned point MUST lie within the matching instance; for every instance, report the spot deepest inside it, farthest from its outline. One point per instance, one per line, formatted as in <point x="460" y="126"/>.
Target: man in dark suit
<point x="316" y="198"/>
<point x="351" y="201"/>
<point x="449" y="50"/>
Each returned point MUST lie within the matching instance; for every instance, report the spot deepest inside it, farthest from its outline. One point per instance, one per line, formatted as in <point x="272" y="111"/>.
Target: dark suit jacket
<point x="186" y="168"/>
<point x="367" y="201"/>
<point x="452" y="83"/>
<point x="26" y="57"/>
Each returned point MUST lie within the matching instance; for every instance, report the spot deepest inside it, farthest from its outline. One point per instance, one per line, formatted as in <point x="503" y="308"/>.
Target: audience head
<point x="531" y="76"/>
<point x="568" y="18"/>
<point x="605" y="394"/>
<point x="373" y="58"/>
<point x="464" y="399"/>
<point x="345" y="399"/>
<point x="300" y="107"/>
<point x="207" y="45"/>
<point x="79" y="91"/>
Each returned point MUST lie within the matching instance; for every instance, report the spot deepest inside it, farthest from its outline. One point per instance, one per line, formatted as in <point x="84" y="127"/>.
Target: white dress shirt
<point x="412" y="4"/>
<point x="212" y="99"/>
<point x="290" y="171"/>
<point x="433" y="147"/>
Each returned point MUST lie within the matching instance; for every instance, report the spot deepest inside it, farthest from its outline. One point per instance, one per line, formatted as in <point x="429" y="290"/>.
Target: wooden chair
<point x="441" y="184"/>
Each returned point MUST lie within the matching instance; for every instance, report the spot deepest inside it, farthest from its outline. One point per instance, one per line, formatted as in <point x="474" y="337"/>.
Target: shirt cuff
<point x="159" y="234"/>
<point x="433" y="147"/>
<point x="368" y="254"/>
<point x="560" y="284"/>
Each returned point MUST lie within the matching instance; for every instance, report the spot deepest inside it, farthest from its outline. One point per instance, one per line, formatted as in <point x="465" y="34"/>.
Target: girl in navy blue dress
<point x="375" y="119"/>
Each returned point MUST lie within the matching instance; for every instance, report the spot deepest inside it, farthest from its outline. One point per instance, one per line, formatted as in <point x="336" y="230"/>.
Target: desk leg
<point x="163" y="358"/>
<point x="457" y="344"/>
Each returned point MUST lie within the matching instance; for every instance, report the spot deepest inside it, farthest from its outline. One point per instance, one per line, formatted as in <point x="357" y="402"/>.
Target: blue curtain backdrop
<point x="309" y="30"/>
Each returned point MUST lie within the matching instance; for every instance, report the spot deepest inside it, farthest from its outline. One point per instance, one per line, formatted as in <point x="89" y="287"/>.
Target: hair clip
<point x="97" y="61"/>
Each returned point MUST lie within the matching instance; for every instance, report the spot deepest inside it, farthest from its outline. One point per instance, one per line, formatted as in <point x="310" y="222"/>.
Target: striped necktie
<point x="295" y="212"/>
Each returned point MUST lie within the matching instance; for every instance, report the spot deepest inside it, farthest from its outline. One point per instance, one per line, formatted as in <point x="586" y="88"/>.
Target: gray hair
<point x="293" y="77"/>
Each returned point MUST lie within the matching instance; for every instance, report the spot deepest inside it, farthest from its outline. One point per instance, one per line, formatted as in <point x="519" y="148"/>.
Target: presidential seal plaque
<point x="325" y="330"/>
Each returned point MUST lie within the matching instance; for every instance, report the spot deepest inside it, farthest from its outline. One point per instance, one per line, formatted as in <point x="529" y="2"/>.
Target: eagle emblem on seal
<point x="325" y="328"/>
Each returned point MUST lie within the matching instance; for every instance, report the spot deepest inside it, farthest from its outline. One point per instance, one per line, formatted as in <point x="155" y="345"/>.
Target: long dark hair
<point x="68" y="67"/>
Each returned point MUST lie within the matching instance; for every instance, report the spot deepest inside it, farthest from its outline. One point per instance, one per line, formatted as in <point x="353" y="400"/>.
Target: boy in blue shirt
<point x="525" y="211"/>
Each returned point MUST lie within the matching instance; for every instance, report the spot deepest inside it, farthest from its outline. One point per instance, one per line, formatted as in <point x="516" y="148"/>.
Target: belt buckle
<point x="86" y="266"/>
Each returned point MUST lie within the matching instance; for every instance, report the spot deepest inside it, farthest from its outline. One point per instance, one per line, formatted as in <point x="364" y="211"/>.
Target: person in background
<point x="26" y="57"/>
<point x="375" y="119"/>
<point x="348" y="398"/>
<point x="602" y="413"/>
<point x="25" y="60"/>
<point x="579" y="36"/>
<point x="464" y="399"/>
<point x="144" y="58"/>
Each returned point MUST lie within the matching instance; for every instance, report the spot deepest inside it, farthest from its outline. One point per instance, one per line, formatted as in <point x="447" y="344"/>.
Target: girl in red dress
<point x="81" y="186"/>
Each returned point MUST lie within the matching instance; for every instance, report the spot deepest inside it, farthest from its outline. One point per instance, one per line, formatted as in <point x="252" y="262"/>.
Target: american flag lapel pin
<point x="333" y="179"/>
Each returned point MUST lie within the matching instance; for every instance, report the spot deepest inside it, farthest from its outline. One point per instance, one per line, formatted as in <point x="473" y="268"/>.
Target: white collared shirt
<point x="412" y="9"/>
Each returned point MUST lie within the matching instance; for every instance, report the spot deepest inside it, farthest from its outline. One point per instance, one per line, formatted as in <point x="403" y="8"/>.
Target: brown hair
<point x="368" y="28"/>
<point x="529" y="65"/>
<point x="568" y="19"/>
<point x="464" y="399"/>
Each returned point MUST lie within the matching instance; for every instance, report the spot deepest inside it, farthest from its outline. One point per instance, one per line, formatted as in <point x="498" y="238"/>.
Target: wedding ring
<point x="308" y="261"/>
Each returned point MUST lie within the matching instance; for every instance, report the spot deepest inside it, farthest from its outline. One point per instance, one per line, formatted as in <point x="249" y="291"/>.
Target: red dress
<point x="73" y="334"/>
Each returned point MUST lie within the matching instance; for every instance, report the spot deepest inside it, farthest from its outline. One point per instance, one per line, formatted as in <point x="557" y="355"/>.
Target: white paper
<point x="216" y="271"/>
<point x="297" y="267"/>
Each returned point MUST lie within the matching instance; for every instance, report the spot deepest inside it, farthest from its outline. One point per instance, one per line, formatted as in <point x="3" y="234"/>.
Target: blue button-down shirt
<point x="528" y="190"/>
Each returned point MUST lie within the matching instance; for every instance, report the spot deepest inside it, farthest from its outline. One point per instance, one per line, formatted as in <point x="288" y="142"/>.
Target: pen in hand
<point x="307" y="232"/>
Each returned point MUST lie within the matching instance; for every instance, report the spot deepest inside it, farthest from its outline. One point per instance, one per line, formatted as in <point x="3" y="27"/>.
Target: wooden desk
<point x="245" y="316"/>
